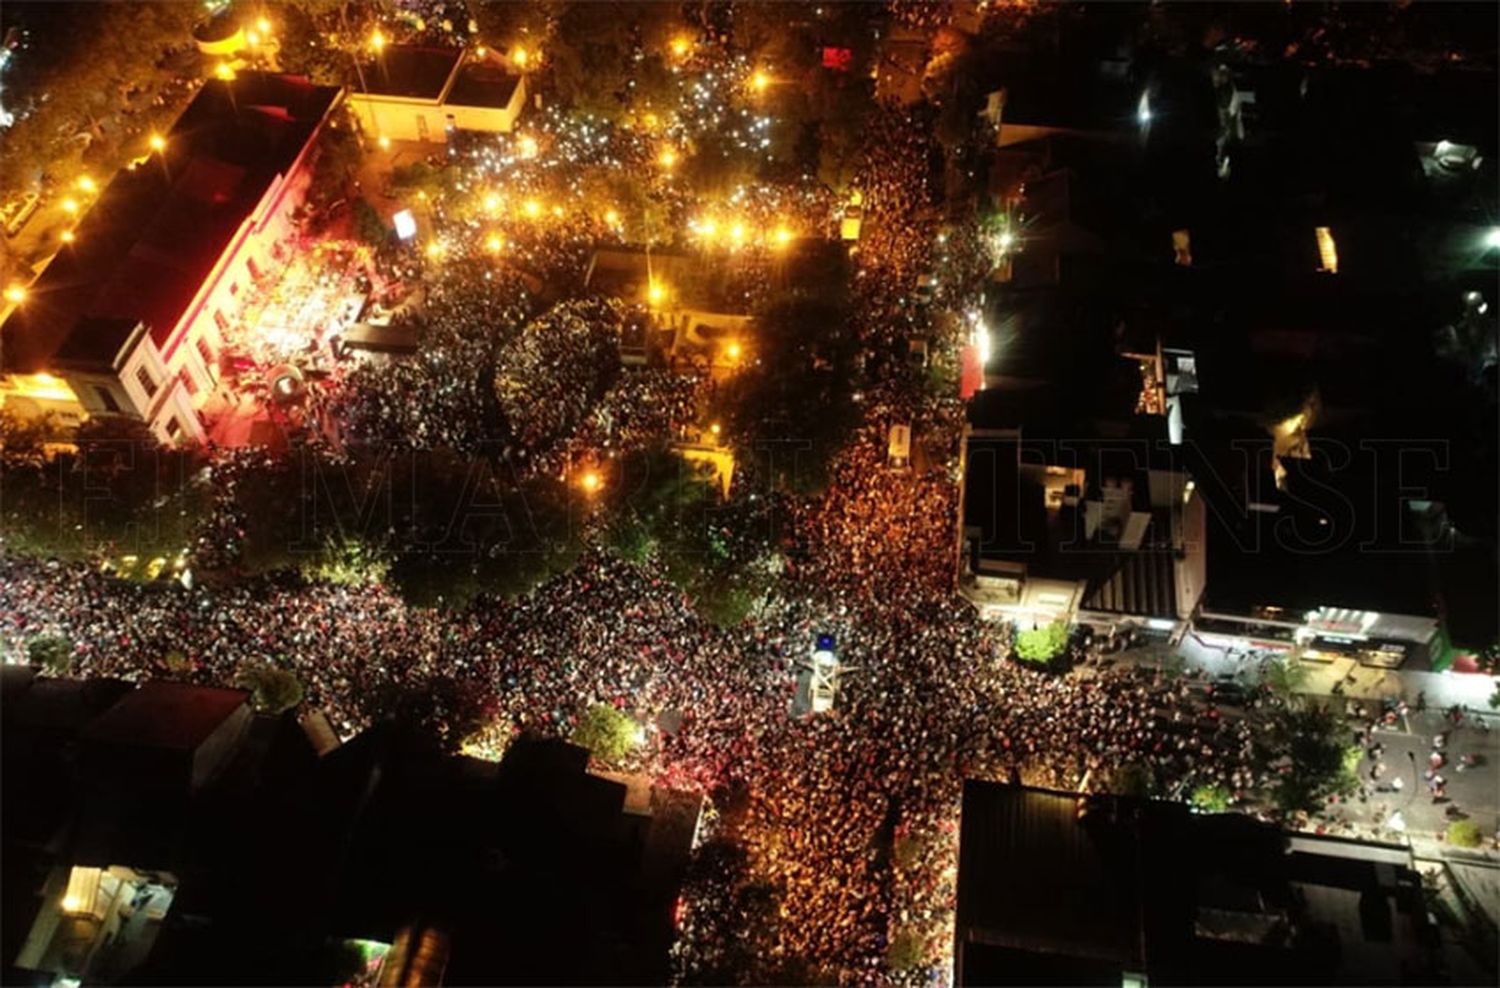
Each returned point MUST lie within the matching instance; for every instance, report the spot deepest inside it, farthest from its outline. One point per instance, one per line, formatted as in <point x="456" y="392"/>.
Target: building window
<point x="205" y="351"/>
<point x="220" y="321"/>
<point x="174" y="428"/>
<point x="234" y="288"/>
<point x="254" y="268"/>
<point x="187" y="381"/>
<point x="107" y="399"/>
<point x="147" y="382"/>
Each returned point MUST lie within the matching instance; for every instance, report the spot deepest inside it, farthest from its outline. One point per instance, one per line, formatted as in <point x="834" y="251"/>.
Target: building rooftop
<point x="410" y="71"/>
<point x="481" y="84"/>
<point x="144" y="249"/>
<point x="166" y="715"/>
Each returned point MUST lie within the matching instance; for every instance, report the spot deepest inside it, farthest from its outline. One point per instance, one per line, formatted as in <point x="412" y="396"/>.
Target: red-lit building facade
<point x="130" y="318"/>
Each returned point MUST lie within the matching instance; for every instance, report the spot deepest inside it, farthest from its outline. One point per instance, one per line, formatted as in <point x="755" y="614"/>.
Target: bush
<point x="907" y="951"/>
<point x="1133" y="779"/>
<point x="1210" y="799"/>
<point x="1465" y="833"/>
<point x="1042" y="645"/>
<point x="53" y="653"/>
<point x="272" y="689"/>
<point x="606" y="732"/>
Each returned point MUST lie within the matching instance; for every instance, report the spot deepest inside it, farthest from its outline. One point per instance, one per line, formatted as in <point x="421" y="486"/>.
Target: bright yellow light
<point x="656" y="292"/>
<point x="708" y="228"/>
<point x="611" y="217"/>
<point x="532" y="208"/>
<point x="157" y="142"/>
<point x="384" y="142"/>
<point x="491" y="202"/>
<point x="759" y="81"/>
<point x="493" y="244"/>
<point x="557" y="211"/>
<point x="16" y="294"/>
<point x="224" y="71"/>
<point x="252" y="38"/>
<point x="651" y="121"/>
<point x="86" y="184"/>
<point x="71" y="904"/>
<point x="528" y="147"/>
<point x="421" y="196"/>
<point x="434" y="250"/>
<point x="715" y="429"/>
<point x="590" y="481"/>
<point x="377" y="40"/>
<point x="481" y="51"/>
<point x="737" y="232"/>
<point x="668" y="158"/>
<point x="681" y="46"/>
<point x="733" y="351"/>
<point x="68" y="236"/>
<point x="519" y="56"/>
<point x="70" y="204"/>
<point x="783" y="236"/>
<point x="263" y="26"/>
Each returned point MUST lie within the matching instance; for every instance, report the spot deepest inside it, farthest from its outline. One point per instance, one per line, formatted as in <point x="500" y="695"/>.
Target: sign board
<point x="898" y="448"/>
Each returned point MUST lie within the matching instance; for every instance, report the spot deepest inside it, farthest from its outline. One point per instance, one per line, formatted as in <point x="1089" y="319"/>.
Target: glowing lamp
<point x="590" y="481"/>
<point x="519" y="56"/>
<point x="15" y="294"/>
<point x="491" y="202"/>
<point x="680" y="46"/>
<point x="532" y="208"/>
<point x="528" y="146"/>
<point x="733" y="351"/>
<point x="759" y="81"/>
<point x="68" y="236"/>
<point x="668" y="158"/>
<point x="86" y="184"/>
<point x="611" y="217"/>
<point x="263" y="26"/>
<point x="493" y="244"/>
<point x="224" y="71"/>
<point x="783" y="236"/>
<point x="384" y="142"/>
<point x="252" y="38"/>
<point x="377" y="40"/>
<point x="715" y="429"/>
<point x="656" y="292"/>
<point x="434" y="250"/>
<point x="70" y="205"/>
<point x="1492" y="238"/>
<point x="157" y="142"/>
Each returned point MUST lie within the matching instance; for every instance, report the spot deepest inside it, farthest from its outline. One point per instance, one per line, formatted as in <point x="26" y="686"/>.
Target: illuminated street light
<point x="611" y="217"/>
<point x="68" y="236"/>
<point x="1006" y="240"/>
<point x="224" y="71"/>
<point x="783" y="236"/>
<point x="668" y="158"/>
<point x="1492" y="238"/>
<point x="86" y="184"/>
<point x="519" y="57"/>
<point x="263" y="26"/>
<point x="491" y="202"/>
<point x="708" y="228"/>
<point x="590" y="481"/>
<point x="737" y="232"/>
<point x="157" y="142"/>
<point x="759" y="81"/>
<point x="70" y="205"/>
<point x="528" y="147"/>
<point x="434" y="250"/>
<point x="377" y="40"/>
<point x="15" y="294"/>
<point x="656" y="292"/>
<point x="681" y="46"/>
<point x="532" y="208"/>
<point x="252" y="39"/>
<point x="715" y="429"/>
<point x="733" y="351"/>
<point x="494" y="244"/>
<point x="384" y="142"/>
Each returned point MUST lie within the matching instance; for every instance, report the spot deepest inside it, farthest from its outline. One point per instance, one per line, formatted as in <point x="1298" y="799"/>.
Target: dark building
<point x="152" y="832"/>
<point x="1058" y="888"/>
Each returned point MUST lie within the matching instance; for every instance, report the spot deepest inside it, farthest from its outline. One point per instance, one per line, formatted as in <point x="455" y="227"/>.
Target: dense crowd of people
<point x="843" y="825"/>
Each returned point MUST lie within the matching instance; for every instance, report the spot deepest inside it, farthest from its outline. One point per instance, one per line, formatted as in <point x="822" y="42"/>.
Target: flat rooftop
<point x="410" y="71"/>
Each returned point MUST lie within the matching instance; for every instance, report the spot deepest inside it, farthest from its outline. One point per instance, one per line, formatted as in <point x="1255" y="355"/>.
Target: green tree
<point x="606" y="732"/>
<point x="1284" y="676"/>
<point x="1310" y="751"/>
<point x="1133" y="779"/>
<point x="907" y="951"/>
<point x="1210" y="798"/>
<point x="1042" y="645"/>
<point x="790" y="407"/>
<point x="54" y="653"/>
<point x="272" y="688"/>
<point x="368" y="225"/>
<point x="348" y="561"/>
<point x="1465" y="833"/>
